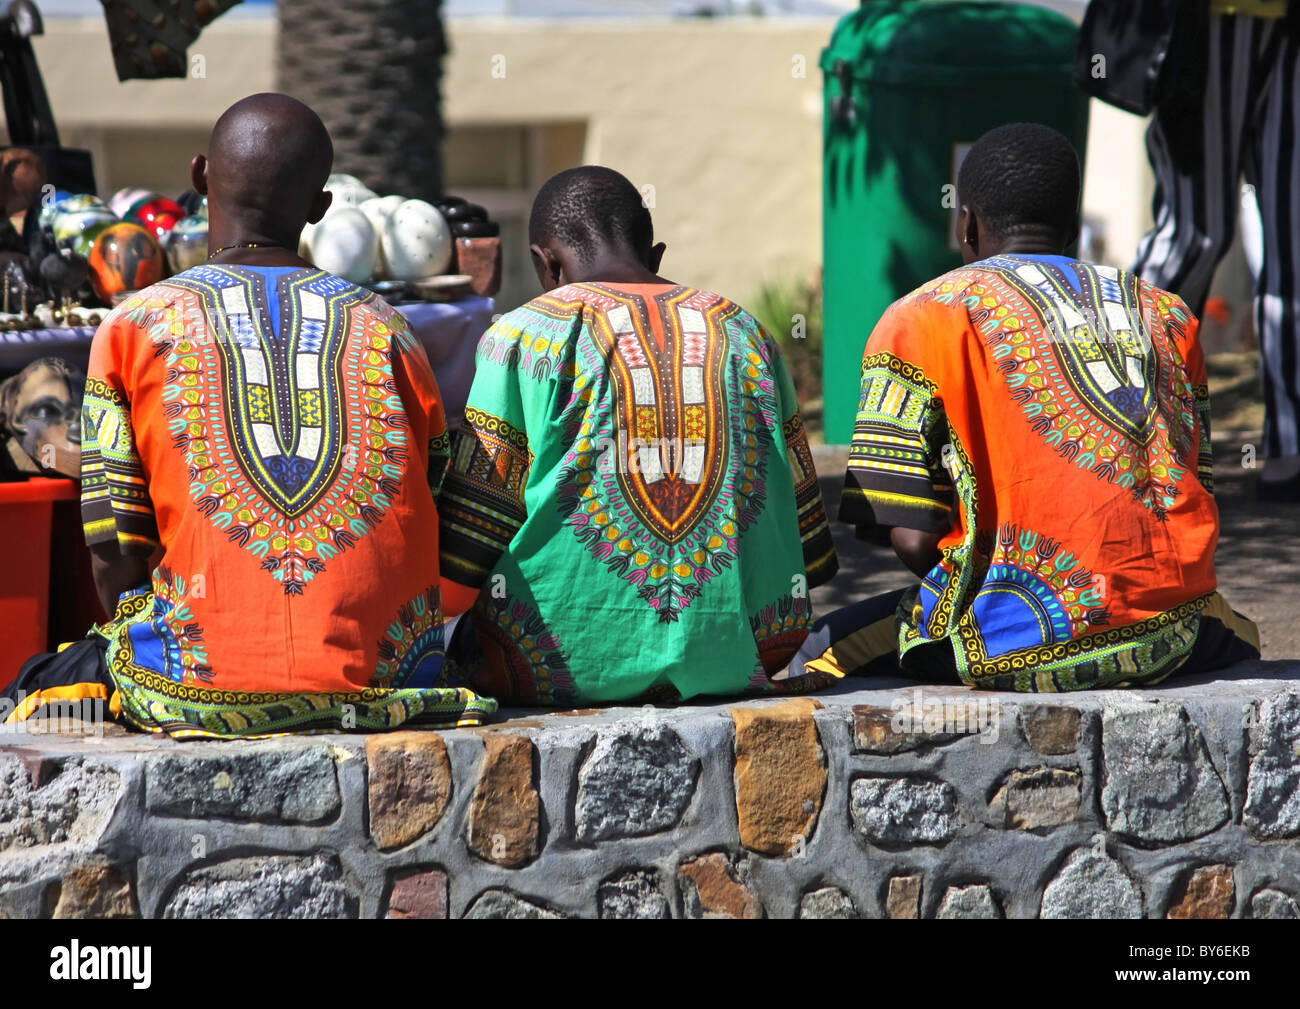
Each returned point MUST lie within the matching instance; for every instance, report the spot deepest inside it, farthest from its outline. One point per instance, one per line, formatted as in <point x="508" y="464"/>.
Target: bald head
<point x="266" y="166"/>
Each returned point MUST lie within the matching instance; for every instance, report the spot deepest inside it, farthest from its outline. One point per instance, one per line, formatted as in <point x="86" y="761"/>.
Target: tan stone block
<point x="780" y="775"/>
<point x="1052" y="730"/>
<point x="874" y="730"/>
<point x="409" y="785"/>
<point x="713" y="889"/>
<point x="903" y="899"/>
<point x="505" y="810"/>
<point x="1038" y="797"/>
<point x="95" y="891"/>
<point x="1207" y="892"/>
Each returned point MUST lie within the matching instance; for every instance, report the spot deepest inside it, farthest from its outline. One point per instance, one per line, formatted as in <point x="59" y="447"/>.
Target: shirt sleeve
<point x="819" y="557"/>
<point x="419" y="391"/>
<point x="482" y="504"/>
<point x="115" y="503"/>
<point x="896" y="474"/>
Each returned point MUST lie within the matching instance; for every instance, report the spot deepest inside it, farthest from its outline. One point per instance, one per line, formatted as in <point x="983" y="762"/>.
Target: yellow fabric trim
<point x="70" y="692"/>
<point x="1218" y="608"/>
<point x="855" y="650"/>
<point x="902" y="499"/>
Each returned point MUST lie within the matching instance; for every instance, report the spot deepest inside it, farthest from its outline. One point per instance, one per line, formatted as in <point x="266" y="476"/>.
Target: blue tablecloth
<point x="448" y="330"/>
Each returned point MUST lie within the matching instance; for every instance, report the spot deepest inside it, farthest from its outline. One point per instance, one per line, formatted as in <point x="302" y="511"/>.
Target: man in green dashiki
<point x="631" y="508"/>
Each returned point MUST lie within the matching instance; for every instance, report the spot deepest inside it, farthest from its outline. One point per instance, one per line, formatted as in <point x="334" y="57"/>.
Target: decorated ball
<point x="84" y="240"/>
<point x="125" y="257"/>
<point x="186" y="244"/>
<point x="50" y="205"/>
<point x="416" y="241"/>
<point x="127" y="197"/>
<point x="345" y="244"/>
<point x="157" y="216"/>
<point x="74" y="215"/>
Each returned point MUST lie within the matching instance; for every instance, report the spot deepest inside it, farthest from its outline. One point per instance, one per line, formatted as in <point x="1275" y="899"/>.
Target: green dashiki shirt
<point x="633" y="494"/>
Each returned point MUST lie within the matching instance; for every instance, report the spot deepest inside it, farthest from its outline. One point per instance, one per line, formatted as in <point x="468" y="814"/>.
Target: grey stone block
<point x="269" y="786"/>
<point x="912" y="810"/>
<point x="634" y="894"/>
<point x="264" y="886"/>
<point x="636" y="781"/>
<point x="975" y="901"/>
<point x="828" y="902"/>
<point x="1161" y="786"/>
<point x="504" y="904"/>
<point x="1272" y="807"/>
<point x="72" y="803"/>
<point x="1273" y="904"/>
<point x="1091" y="885"/>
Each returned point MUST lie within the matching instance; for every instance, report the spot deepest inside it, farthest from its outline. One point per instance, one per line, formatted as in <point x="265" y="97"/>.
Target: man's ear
<point x="549" y="269"/>
<point x="319" y="204"/>
<point x="199" y="174"/>
<point x="656" y="256"/>
<point x="968" y="234"/>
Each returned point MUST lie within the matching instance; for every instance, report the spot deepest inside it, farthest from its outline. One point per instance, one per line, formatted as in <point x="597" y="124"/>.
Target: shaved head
<point x="264" y="174"/>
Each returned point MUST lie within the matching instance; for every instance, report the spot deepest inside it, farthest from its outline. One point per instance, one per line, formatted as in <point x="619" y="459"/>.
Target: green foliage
<point x="791" y="311"/>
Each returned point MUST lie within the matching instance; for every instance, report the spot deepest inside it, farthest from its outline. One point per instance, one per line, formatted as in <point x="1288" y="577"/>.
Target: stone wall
<point x="893" y="801"/>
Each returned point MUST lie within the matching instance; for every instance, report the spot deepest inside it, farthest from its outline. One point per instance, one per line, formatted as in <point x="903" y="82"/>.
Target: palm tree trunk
<point x="371" y="69"/>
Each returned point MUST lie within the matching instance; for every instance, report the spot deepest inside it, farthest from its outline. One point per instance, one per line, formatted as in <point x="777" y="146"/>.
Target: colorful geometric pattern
<point x="411" y="650"/>
<point x="482" y="507"/>
<point x="294" y="442"/>
<point x="1073" y="345"/>
<point x="115" y="498"/>
<point x="898" y="436"/>
<point x="1035" y="588"/>
<point x="158" y="662"/>
<point x="631" y="435"/>
<point x="272" y="413"/>
<point x="661" y="488"/>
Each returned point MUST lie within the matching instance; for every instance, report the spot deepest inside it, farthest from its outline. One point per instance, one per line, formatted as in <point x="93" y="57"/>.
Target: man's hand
<point x="115" y="574"/>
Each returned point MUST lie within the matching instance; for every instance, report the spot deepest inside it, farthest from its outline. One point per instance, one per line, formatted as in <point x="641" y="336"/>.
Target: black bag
<point x="1139" y="54"/>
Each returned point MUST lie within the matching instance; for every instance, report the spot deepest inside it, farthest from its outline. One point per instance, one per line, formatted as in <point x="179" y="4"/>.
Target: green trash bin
<point x="910" y="84"/>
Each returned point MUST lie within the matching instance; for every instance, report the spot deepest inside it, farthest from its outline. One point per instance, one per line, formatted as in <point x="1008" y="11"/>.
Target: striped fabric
<point x="114" y="496"/>
<point x="893" y="476"/>
<point x="1248" y="125"/>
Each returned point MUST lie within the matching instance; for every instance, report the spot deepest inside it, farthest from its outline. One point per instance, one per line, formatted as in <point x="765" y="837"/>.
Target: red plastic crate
<point x="26" y="517"/>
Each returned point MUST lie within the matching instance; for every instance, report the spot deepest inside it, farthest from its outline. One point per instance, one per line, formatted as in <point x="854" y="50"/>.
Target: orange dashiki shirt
<point x="273" y="438"/>
<point x="1051" y="418"/>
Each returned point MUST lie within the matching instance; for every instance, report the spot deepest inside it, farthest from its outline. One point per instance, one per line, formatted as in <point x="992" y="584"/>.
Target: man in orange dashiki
<point x="262" y="443"/>
<point x="1033" y="439"/>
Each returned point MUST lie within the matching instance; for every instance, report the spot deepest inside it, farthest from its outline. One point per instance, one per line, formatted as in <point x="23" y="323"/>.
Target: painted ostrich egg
<point x="124" y="199"/>
<point x="345" y="244"/>
<point x="124" y="257"/>
<point x="77" y="213"/>
<point x="157" y="216"/>
<point x="84" y="240"/>
<point x="377" y="211"/>
<point x="49" y="207"/>
<point x="416" y="241"/>
<point x="186" y="244"/>
<point x="348" y="190"/>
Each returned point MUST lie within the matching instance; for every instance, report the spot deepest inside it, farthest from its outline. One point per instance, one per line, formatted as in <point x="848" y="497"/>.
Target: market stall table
<point x="448" y="330"/>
